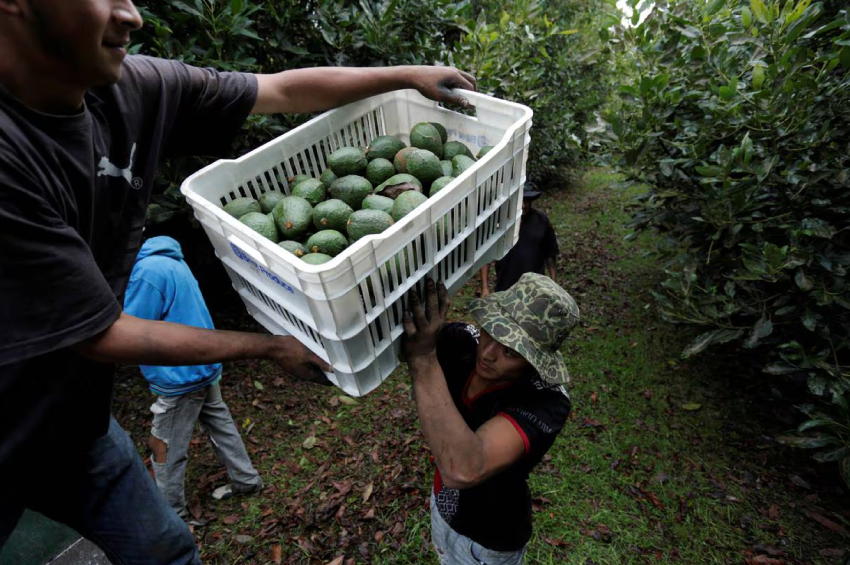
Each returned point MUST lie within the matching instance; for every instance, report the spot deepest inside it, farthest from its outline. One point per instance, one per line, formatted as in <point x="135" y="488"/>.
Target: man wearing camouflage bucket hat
<point x="491" y="402"/>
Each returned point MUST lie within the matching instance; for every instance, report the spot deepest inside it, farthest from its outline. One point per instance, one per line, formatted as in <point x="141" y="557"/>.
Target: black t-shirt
<point x="73" y="195"/>
<point x="537" y="242"/>
<point x="497" y="512"/>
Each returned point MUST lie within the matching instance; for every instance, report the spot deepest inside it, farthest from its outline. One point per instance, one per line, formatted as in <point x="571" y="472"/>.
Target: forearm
<point x="485" y="275"/>
<point x="322" y="88"/>
<point x="458" y="451"/>
<point x="552" y="267"/>
<point x="137" y="341"/>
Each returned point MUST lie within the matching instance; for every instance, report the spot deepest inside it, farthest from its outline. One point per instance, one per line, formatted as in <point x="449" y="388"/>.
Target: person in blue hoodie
<point x="162" y="287"/>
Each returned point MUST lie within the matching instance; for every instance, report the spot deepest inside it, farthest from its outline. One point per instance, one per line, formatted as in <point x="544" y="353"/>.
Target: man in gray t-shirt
<point x="82" y="129"/>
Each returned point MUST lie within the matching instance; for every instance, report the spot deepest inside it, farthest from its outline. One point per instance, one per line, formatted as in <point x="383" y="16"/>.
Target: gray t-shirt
<point x="73" y="195"/>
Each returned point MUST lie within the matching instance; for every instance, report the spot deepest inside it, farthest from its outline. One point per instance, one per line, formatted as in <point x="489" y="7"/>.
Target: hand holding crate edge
<point x="348" y="309"/>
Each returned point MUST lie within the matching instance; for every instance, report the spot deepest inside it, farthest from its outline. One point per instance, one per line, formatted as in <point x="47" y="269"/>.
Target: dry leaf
<point x="826" y="522"/>
<point x="277" y="554"/>
<point x="230" y="520"/>
<point x="367" y="492"/>
<point x="309" y="443"/>
<point x="347" y="400"/>
<point x="337" y="561"/>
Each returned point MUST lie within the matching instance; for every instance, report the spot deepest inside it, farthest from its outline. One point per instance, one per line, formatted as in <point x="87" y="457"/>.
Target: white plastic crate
<point x="349" y="310"/>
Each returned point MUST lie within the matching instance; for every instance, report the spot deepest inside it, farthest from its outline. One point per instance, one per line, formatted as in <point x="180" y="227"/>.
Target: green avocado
<point x="377" y="202"/>
<point x="367" y="222"/>
<point x="384" y="147"/>
<point x="425" y="166"/>
<point x="426" y="136"/>
<point x="261" y="224"/>
<point x="316" y="258"/>
<point x="351" y="189"/>
<point x="379" y="170"/>
<point x="347" y="161"/>
<point x="406" y="202"/>
<point x="439" y="184"/>
<point x="238" y="207"/>
<point x="452" y="148"/>
<point x="268" y="200"/>
<point x="293" y="216"/>
<point x="329" y="242"/>
<point x="460" y="163"/>
<point x="294" y="247"/>
<point x="311" y="190"/>
<point x="331" y="215"/>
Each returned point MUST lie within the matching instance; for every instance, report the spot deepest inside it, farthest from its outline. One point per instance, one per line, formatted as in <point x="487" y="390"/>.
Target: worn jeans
<point x="174" y="422"/>
<point x="456" y="549"/>
<point x="105" y="493"/>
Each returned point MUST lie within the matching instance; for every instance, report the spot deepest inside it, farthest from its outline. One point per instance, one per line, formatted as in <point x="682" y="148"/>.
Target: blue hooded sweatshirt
<point x="162" y="287"/>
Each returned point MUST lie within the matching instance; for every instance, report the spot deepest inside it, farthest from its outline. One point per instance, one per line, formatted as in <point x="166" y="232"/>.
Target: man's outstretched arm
<point x="149" y="342"/>
<point x="322" y="88"/>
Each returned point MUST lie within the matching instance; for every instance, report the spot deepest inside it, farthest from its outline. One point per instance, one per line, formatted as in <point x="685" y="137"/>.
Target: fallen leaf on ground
<point x="337" y="561"/>
<point x="827" y="523"/>
<point x="557" y="542"/>
<point x="230" y="520"/>
<point x="367" y="492"/>
<point x="691" y="406"/>
<point x="774" y="513"/>
<point x="309" y="443"/>
<point x="277" y="554"/>
<point x="347" y="400"/>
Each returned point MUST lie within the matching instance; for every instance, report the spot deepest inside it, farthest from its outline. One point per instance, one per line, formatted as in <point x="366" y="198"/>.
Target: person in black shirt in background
<point x="491" y="401"/>
<point x="83" y="127"/>
<point x="536" y="248"/>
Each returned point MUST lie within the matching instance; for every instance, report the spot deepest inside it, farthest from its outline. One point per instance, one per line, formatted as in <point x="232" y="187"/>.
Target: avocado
<point x="347" y="161"/>
<point x="460" y="163"/>
<point x="377" y="202"/>
<point x="351" y="189"/>
<point x="406" y="202"/>
<point x="397" y="184"/>
<point x="441" y="130"/>
<point x="379" y="170"/>
<point x="452" y="148"/>
<point x="327" y="177"/>
<point x="366" y="222"/>
<point x="298" y="179"/>
<point x="483" y="151"/>
<point x="331" y="214"/>
<point x="293" y="216"/>
<point x="425" y="166"/>
<point x="447" y="168"/>
<point x="425" y="136"/>
<point x="261" y="224"/>
<point x="268" y="200"/>
<point x="439" y="184"/>
<point x="294" y="247"/>
<point x="384" y="147"/>
<point x="311" y="190"/>
<point x="238" y="207"/>
<point x="329" y="242"/>
<point x="400" y="159"/>
<point x="316" y="258"/>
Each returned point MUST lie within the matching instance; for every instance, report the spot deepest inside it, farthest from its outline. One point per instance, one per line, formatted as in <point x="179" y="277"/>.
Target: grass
<point x="661" y="461"/>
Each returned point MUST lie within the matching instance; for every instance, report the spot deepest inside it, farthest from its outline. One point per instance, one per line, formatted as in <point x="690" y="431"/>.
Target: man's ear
<point x="12" y="7"/>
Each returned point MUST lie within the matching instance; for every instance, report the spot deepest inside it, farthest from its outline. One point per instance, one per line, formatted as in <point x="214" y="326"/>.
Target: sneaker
<point x="229" y="491"/>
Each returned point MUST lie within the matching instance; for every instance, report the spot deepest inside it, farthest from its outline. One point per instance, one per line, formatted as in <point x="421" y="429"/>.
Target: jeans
<point x="174" y="422"/>
<point x="455" y="549"/>
<point x="105" y="493"/>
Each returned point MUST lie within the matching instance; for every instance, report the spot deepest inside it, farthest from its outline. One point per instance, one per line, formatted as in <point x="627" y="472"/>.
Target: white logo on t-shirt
<point x="105" y="167"/>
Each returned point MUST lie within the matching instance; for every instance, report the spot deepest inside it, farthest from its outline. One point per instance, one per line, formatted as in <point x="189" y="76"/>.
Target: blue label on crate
<point x="270" y="275"/>
<point x="480" y="140"/>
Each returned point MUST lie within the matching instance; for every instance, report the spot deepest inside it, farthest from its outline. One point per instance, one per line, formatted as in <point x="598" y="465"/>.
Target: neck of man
<point x="36" y="82"/>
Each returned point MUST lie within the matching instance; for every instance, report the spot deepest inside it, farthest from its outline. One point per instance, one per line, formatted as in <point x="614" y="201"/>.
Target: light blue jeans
<point x="455" y="549"/>
<point x="174" y="419"/>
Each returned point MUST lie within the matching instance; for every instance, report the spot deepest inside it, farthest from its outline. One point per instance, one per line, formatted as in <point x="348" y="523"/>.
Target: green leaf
<point x="818" y="228"/>
<point x="834" y="455"/>
<point x="806" y="442"/>
<point x="810" y="320"/>
<point x="726" y="93"/>
<point x="182" y="6"/>
<point x="760" y="11"/>
<point x="810" y="424"/>
<point x="347" y="400"/>
<point x="309" y="443"/>
<point x="703" y="341"/>
<point x="746" y="148"/>
<point x="568" y="32"/>
<point x="746" y="17"/>
<point x="714" y="6"/>
<point x="780" y="369"/>
<point x="710" y="171"/>
<point x="803" y="282"/>
<point x="844" y="57"/>
<point x="691" y="406"/>
<point x="762" y="329"/>
<point x="258" y="385"/>
<point x="844" y="470"/>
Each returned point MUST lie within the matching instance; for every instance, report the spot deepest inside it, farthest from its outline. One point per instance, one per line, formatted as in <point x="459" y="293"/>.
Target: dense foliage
<point x="543" y="53"/>
<point x="738" y="121"/>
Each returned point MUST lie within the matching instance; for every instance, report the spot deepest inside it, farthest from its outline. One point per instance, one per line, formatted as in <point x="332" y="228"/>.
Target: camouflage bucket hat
<point x="533" y="318"/>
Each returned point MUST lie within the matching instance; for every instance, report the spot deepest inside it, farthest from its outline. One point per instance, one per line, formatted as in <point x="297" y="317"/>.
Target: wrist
<point x="419" y="364"/>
